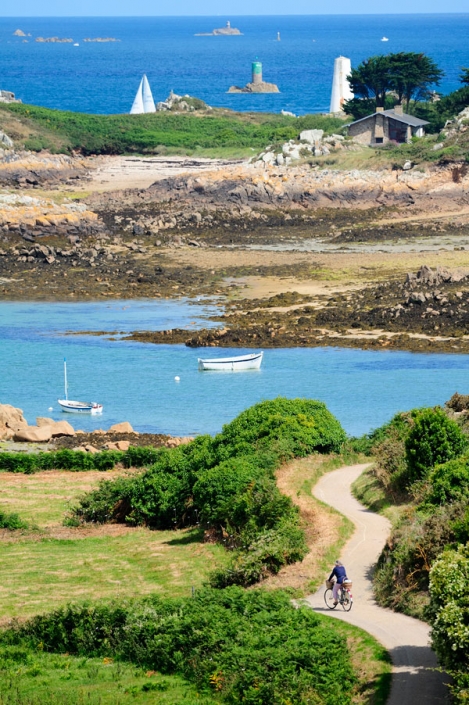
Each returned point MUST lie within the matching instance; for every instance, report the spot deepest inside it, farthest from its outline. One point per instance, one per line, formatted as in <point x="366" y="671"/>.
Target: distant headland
<point x="227" y="31"/>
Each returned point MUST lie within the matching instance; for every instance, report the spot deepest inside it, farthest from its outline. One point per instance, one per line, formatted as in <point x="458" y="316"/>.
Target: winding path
<point x="407" y="639"/>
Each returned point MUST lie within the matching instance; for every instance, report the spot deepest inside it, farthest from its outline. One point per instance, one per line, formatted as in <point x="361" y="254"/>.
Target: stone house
<point x="386" y="126"/>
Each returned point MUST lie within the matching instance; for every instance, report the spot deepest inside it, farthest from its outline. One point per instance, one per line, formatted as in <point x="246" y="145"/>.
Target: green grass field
<point x="214" y="133"/>
<point x="51" y="564"/>
<point x="31" y="677"/>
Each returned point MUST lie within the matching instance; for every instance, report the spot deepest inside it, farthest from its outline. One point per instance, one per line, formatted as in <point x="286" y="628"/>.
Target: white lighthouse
<point x="340" y="87"/>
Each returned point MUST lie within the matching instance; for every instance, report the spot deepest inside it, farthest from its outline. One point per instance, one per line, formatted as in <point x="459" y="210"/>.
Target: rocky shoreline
<point x="203" y="234"/>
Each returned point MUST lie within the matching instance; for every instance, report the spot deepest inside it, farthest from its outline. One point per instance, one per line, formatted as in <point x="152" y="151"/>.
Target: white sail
<point x="137" y="107"/>
<point x="148" y="102"/>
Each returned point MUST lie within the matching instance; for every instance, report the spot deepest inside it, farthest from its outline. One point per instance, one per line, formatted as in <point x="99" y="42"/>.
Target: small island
<point x="227" y="31"/>
<point x="257" y="84"/>
<point x="101" y="39"/>
<point x="53" y="40"/>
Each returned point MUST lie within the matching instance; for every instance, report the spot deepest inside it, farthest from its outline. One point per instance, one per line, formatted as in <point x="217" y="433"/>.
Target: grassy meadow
<point x="213" y="133"/>
<point x="50" y="564"/>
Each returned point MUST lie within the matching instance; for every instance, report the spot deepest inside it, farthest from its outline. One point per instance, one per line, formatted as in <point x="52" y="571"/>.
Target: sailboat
<point x="77" y="407"/>
<point x="143" y="102"/>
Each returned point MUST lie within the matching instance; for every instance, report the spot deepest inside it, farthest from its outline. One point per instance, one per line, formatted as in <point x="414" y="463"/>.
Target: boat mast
<point x="65" y="379"/>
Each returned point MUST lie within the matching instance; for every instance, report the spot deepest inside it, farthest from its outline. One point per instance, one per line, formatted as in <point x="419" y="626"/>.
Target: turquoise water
<point x="135" y="381"/>
<point x="103" y="78"/>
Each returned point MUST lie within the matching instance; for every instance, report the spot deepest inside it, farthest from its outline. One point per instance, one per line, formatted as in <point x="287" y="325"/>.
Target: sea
<point x="104" y="77"/>
<point x="136" y="382"/>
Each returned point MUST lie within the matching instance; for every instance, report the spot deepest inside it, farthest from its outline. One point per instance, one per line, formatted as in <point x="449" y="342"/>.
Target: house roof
<point x="400" y="117"/>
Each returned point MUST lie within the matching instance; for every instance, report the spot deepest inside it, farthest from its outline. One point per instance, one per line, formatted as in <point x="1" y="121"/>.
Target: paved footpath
<point x="407" y="639"/>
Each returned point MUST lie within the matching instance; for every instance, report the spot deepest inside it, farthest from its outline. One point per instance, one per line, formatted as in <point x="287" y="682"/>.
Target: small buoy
<point x="177" y="379"/>
<point x="51" y="408"/>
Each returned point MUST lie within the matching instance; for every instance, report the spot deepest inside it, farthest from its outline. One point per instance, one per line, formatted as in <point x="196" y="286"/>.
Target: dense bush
<point x="228" y="484"/>
<point x="433" y="439"/>
<point x="252" y="647"/>
<point x="77" y="460"/>
<point x="449" y="482"/>
<point x="401" y="579"/>
<point x="449" y="616"/>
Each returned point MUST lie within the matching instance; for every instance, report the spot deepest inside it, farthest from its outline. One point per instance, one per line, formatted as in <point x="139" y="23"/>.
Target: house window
<point x="379" y="140"/>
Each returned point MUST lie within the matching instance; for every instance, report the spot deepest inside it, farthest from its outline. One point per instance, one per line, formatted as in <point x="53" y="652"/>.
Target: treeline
<point x="409" y="79"/>
<point x="423" y="466"/>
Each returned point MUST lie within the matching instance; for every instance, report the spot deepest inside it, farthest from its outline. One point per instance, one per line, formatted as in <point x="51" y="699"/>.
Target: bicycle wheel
<point x="346" y="601"/>
<point x="329" y="599"/>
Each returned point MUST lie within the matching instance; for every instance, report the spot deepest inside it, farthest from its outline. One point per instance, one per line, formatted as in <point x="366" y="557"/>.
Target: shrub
<point x="227" y="483"/>
<point x="433" y="439"/>
<point x="247" y="646"/>
<point x="11" y="521"/>
<point x="449" y="616"/>
<point x="403" y="572"/>
<point x="449" y="482"/>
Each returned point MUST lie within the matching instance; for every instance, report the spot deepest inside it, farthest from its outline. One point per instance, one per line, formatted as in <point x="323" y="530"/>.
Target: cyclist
<point x="340" y="574"/>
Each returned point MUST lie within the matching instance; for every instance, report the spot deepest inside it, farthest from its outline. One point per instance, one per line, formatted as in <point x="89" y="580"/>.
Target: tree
<point x="407" y="75"/>
<point x="372" y="79"/>
<point x="464" y="76"/>
<point x="412" y="75"/>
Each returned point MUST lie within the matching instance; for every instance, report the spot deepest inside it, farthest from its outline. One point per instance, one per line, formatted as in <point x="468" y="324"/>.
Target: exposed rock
<point x="312" y="136"/>
<point x="123" y="427"/>
<point x="91" y="449"/>
<point x="122" y="445"/>
<point x="6" y="141"/>
<point x="44" y="421"/>
<point x="11" y="420"/>
<point x="33" y="434"/>
<point x="62" y="428"/>
<point x="19" y="33"/>
<point x="227" y="31"/>
<point x="262" y="87"/>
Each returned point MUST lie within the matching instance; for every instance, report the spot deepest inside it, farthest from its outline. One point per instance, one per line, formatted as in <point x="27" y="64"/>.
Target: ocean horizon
<point x="103" y="78"/>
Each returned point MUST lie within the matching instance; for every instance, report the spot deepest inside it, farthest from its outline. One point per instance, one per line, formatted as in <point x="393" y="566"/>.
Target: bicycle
<point x="345" y="598"/>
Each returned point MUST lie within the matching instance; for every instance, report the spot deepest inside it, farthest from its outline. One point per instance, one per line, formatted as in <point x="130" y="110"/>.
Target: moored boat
<point x="233" y="364"/>
<point x="77" y="407"/>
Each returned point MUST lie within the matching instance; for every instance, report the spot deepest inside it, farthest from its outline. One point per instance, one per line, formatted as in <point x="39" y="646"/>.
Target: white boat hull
<point x="80" y="407"/>
<point x="232" y="364"/>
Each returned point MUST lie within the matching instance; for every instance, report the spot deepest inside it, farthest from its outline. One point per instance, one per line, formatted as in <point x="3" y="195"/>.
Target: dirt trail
<point x="407" y="639"/>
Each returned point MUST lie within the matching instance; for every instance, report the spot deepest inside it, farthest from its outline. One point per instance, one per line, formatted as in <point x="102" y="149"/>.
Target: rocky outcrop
<point x="227" y="31"/>
<point x="261" y="87"/>
<point x="123" y="427"/>
<point x="27" y="169"/>
<point x="426" y="276"/>
<point x="5" y="141"/>
<point x="11" y="420"/>
<point x="179" y="103"/>
<point x="33" y="434"/>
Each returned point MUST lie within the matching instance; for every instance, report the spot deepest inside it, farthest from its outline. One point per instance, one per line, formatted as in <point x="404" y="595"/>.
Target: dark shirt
<point x="340" y="574"/>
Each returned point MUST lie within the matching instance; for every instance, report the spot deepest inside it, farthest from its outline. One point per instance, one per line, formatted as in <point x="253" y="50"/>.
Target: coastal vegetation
<point x="227" y="484"/>
<point x="149" y="627"/>
<point x="406" y="75"/>
<point x="233" y="645"/>
<point x="221" y="130"/>
<point x="421" y="480"/>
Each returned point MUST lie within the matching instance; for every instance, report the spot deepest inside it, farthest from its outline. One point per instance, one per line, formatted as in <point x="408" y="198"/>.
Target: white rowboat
<point x="77" y="407"/>
<point x="232" y="364"/>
